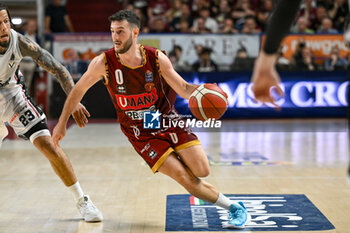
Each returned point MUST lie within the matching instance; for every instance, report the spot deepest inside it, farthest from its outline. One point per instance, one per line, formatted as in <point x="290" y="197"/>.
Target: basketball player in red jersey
<point x="141" y="78"/>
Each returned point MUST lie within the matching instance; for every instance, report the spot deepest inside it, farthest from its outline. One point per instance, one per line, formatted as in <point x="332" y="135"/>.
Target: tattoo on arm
<point x="46" y="61"/>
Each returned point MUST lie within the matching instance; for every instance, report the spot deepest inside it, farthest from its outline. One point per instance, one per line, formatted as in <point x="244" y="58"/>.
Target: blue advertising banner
<point x="307" y="94"/>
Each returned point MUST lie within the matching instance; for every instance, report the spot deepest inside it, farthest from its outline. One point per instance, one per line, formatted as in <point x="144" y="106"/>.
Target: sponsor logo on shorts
<point x="152" y="154"/>
<point x="136" y="131"/>
<point x="147" y="146"/>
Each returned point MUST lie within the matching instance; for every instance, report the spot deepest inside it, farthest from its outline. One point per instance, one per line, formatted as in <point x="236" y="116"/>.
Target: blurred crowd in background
<point x="302" y="60"/>
<point x="234" y="16"/>
<point x="228" y="17"/>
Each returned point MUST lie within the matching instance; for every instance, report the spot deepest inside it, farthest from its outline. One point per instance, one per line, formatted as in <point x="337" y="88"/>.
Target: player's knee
<point x="201" y="169"/>
<point x="202" y="172"/>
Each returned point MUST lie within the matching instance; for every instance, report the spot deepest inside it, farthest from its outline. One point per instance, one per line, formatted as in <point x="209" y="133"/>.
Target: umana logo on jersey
<point x="140" y="101"/>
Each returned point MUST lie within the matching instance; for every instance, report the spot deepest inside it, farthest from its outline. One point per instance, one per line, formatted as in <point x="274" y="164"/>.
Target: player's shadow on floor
<point x="111" y="226"/>
<point x="86" y="227"/>
<point x="124" y="226"/>
<point x="70" y="220"/>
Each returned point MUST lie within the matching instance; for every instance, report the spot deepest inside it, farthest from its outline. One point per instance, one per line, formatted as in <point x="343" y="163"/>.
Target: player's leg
<point x="158" y="152"/>
<point x="28" y="122"/>
<point x="190" y="150"/>
<point x="160" y="156"/>
<point x="58" y="160"/>
<point x="63" y="168"/>
<point x="177" y="170"/>
<point x="196" y="160"/>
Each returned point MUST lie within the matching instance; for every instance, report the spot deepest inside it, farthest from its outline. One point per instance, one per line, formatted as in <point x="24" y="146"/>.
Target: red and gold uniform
<point x="135" y="90"/>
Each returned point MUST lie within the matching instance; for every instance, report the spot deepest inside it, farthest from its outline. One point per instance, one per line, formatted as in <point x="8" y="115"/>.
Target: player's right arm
<point x="95" y="72"/>
<point x="180" y="86"/>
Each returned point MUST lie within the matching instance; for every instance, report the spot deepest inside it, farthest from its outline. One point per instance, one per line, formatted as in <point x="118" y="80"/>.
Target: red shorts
<point x="155" y="148"/>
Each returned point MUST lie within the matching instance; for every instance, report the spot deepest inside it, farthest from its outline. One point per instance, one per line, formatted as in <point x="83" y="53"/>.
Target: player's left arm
<point x="180" y="86"/>
<point x="45" y="60"/>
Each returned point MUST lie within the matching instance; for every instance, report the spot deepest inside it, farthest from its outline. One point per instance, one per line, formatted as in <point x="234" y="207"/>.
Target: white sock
<point x="76" y="191"/>
<point x="223" y="201"/>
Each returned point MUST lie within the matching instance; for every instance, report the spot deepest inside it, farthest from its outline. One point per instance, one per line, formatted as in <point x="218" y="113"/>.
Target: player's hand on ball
<point x="58" y="133"/>
<point x="80" y="115"/>
<point x="208" y="101"/>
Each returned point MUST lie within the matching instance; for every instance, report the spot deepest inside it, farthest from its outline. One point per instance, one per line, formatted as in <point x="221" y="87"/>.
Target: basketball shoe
<point x="238" y="216"/>
<point x="88" y="210"/>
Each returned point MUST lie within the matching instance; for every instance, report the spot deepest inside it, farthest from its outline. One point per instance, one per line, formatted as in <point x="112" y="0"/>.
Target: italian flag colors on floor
<point x="196" y="201"/>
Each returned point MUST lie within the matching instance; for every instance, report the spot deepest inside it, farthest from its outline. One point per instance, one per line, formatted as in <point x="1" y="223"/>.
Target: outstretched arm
<point x="279" y="24"/>
<point x="50" y="64"/>
<point x="180" y="86"/>
<point x="95" y="72"/>
<point x="265" y="76"/>
<point x="46" y="61"/>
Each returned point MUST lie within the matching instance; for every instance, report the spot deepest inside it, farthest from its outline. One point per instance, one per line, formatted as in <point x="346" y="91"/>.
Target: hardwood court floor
<point x="132" y="199"/>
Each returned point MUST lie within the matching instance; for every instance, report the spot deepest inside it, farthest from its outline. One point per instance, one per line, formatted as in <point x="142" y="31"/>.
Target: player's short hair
<point x="127" y="15"/>
<point x="4" y="7"/>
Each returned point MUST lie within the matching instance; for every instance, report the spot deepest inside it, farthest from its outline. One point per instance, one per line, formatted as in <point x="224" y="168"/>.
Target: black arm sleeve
<point x="279" y="24"/>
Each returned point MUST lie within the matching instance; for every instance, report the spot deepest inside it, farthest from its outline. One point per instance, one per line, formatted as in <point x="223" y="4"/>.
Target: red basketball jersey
<point x="137" y="89"/>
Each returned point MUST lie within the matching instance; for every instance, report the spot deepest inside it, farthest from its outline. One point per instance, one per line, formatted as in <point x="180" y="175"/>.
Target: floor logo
<point x="243" y="159"/>
<point x="151" y="120"/>
<point x="269" y="213"/>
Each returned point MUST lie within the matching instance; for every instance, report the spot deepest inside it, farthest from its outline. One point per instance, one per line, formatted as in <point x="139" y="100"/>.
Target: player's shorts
<point x="155" y="148"/>
<point x="27" y="120"/>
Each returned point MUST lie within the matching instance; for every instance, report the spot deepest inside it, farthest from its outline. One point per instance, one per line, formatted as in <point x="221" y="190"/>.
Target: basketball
<point x="208" y="101"/>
